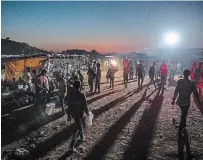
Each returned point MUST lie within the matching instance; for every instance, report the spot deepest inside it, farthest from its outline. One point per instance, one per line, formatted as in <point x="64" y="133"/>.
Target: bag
<point x="88" y="119"/>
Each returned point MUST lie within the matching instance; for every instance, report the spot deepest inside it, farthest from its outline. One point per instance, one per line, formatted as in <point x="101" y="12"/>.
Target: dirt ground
<point x="128" y="124"/>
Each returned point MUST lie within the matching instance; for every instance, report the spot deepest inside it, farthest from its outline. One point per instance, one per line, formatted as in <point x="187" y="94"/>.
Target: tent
<point x="15" y="66"/>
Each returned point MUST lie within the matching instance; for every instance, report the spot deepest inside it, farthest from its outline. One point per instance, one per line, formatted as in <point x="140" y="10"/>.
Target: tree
<point x="7" y="38"/>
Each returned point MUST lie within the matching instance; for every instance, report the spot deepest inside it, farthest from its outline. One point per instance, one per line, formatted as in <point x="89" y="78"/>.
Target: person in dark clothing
<point x="112" y="76"/>
<point x="81" y="78"/>
<point x="140" y="71"/>
<point x="152" y="71"/>
<point x="125" y="77"/>
<point x="98" y="78"/>
<point x="184" y="89"/>
<point x="62" y="90"/>
<point x="77" y="106"/>
<point x="91" y="76"/>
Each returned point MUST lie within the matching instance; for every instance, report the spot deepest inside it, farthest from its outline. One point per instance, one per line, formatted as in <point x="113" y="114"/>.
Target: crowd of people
<point x="69" y="86"/>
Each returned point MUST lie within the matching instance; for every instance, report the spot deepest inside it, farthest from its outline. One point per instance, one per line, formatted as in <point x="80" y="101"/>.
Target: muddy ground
<point x="128" y="124"/>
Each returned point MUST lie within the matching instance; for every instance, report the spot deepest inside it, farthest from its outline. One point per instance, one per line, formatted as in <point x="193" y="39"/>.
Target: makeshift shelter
<point x="16" y="65"/>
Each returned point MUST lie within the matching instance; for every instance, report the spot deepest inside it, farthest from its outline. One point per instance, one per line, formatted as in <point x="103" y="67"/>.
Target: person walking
<point x="152" y="71"/>
<point x="77" y="107"/>
<point x="98" y="78"/>
<point x="184" y="89"/>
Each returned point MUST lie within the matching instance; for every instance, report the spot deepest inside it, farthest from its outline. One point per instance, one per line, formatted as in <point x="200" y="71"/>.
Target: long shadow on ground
<point x="62" y="136"/>
<point x="102" y="96"/>
<point x="114" y="103"/>
<point x="29" y="123"/>
<point x="141" y="141"/>
<point x="100" y="149"/>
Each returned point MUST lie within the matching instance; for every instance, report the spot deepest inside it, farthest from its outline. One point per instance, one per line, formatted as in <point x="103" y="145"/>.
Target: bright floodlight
<point x="171" y="38"/>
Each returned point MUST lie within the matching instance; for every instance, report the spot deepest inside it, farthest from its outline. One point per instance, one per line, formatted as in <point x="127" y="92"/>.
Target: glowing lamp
<point x="171" y="38"/>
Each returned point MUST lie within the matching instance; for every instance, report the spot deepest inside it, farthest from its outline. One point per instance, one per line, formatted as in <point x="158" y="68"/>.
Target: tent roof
<point x="10" y="57"/>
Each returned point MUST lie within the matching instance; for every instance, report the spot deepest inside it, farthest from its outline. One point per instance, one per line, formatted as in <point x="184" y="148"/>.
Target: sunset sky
<point x="121" y="27"/>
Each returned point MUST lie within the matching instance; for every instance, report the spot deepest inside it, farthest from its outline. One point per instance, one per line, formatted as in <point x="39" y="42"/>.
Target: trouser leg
<point x="98" y="85"/>
<point x="181" y="138"/>
<point x="138" y="82"/>
<point x="78" y="131"/>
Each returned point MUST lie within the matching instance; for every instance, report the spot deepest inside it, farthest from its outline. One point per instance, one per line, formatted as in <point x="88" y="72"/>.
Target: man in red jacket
<point x="164" y="72"/>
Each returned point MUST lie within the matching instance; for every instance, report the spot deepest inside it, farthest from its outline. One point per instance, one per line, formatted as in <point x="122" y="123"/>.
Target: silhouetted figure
<point x="77" y="106"/>
<point x="91" y="76"/>
<point x="98" y="78"/>
<point x="152" y="71"/>
<point x="140" y="71"/>
<point x="81" y="78"/>
<point x="62" y="90"/>
<point x="184" y="89"/>
<point x="125" y="77"/>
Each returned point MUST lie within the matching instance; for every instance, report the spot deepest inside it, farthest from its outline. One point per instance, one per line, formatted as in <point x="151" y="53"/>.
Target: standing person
<point x="62" y="90"/>
<point x="112" y="76"/>
<point x="90" y="74"/>
<point x="140" y="71"/>
<point x="157" y="70"/>
<point x="152" y="71"/>
<point x="184" y="89"/>
<point x="41" y="87"/>
<point x="200" y="86"/>
<point x="131" y="71"/>
<point x="172" y="70"/>
<point x="194" y="72"/>
<point x="81" y="78"/>
<point x="98" y="78"/>
<point x="179" y="68"/>
<point x="164" y="72"/>
<point x="125" y="77"/>
<point x="77" y="106"/>
<point x="27" y="76"/>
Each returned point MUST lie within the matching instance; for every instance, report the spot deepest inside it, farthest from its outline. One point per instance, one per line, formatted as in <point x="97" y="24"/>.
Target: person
<point x="91" y="76"/>
<point x="112" y="76"/>
<point x="164" y="72"/>
<point x="184" y="89"/>
<point x="21" y="82"/>
<point x="98" y="78"/>
<point x="81" y="78"/>
<point x="41" y="88"/>
<point x="125" y="77"/>
<point x="179" y="68"/>
<point x="14" y="84"/>
<point x="131" y="71"/>
<point x="194" y="75"/>
<point x="172" y="70"/>
<point x="28" y="77"/>
<point x="140" y="71"/>
<point x="200" y="85"/>
<point x="77" y="106"/>
<point x="157" y="70"/>
<point x="62" y="90"/>
<point x="152" y="71"/>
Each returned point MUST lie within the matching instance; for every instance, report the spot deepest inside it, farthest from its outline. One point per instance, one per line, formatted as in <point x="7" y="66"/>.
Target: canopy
<point x="15" y="68"/>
